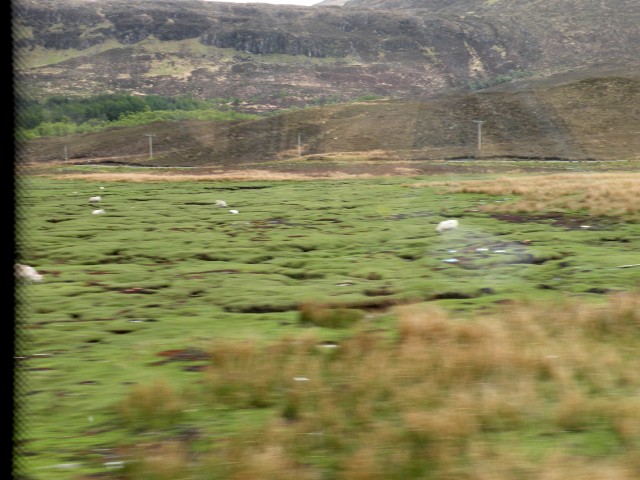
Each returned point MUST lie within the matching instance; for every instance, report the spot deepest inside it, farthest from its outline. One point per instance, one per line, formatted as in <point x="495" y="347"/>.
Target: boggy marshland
<point x="326" y="330"/>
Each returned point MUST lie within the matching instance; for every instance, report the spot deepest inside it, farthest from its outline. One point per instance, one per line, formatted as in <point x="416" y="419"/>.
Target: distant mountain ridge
<point x="551" y="79"/>
<point x="288" y="55"/>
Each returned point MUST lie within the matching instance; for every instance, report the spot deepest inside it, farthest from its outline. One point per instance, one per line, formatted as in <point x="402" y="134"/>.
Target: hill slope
<point x="289" y="55"/>
<point x="595" y="118"/>
<point x="546" y="78"/>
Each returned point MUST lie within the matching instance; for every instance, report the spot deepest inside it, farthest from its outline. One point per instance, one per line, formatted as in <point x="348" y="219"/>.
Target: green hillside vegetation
<point x="59" y="116"/>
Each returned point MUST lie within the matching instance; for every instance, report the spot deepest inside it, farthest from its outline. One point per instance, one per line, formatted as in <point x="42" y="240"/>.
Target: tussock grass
<point x="324" y="315"/>
<point x="535" y="391"/>
<point x="158" y="461"/>
<point x="167" y="270"/>
<point x="154" y="405"/>
<point x="601" y="194"/>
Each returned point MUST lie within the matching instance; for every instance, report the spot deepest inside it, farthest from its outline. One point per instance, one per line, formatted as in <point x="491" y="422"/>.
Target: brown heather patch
<point x="605" y="194"/>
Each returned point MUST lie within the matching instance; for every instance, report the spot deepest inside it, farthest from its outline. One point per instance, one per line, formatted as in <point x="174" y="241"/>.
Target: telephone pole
<point x="479" y="122"/>
<point x="150" y="135"/>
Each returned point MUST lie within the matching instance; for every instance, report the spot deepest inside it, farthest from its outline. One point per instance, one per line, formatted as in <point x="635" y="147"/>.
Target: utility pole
<point x="66" y="153"/>
<point x="299" y="147"/>
<point x="150" y="135"/>
<point x="479" y="122"/>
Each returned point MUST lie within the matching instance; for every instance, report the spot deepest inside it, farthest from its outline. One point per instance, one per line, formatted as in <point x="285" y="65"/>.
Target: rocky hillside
<point x="548" y="79"/>
<point x="274" y="56"/>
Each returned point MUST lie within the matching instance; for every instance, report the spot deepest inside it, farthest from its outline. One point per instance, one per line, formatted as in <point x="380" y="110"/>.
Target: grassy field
<point x="327" y="331"/>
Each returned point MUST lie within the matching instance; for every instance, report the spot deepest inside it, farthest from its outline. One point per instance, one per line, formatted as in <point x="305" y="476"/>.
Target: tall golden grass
<point x="602" y="194"/>
<point x="531" y="392"/>
<point x="153" y="405"/>
<point x="239" y="175"/>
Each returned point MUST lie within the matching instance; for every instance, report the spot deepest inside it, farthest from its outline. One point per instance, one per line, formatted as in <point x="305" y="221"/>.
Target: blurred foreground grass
<point x="173" y="339"/>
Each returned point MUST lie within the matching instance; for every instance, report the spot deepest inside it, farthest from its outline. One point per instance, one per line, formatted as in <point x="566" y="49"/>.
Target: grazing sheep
<point x="95" y="199"/>
<point x="221" y="203"/>
<point x="447" y="225"/>
<point x="99" y="211"/>
<point x="26" y="273"/>
<point x="234" y="211"/>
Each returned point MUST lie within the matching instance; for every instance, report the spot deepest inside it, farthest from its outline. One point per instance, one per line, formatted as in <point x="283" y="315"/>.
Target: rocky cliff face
<point x="289" y="55"/>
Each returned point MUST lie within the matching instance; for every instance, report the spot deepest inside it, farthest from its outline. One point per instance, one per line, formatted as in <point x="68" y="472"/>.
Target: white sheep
<point x="26" y="273"/>
<point x="99" y="211"/>
<point x="234" y="211"/>
<point x="95" y="199"/>
<point x="447" y="225"/>
<point x="221" y="203"/>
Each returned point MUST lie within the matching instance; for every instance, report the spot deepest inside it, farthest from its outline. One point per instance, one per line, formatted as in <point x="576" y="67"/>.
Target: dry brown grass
<point x="324" y="315"/>
<point x="175" y="177"/>
<point x="615" y="194"/>
<point x="159" y="461"/>
<point x="435" y="400"/>
<point x="152" y="405"/>
<point x="240" y="175"/>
